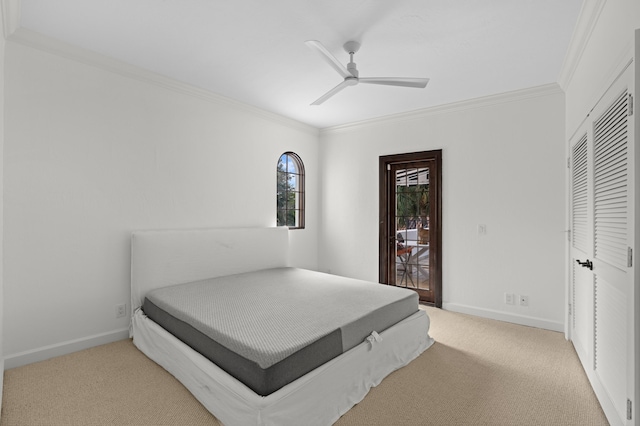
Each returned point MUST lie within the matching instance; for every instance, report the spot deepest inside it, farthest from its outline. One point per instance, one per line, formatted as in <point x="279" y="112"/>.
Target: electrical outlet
<point x="482" y="229"/>
<point x="509" y="299"/>
<point x="524" y="300"/>
<point x="121" y="310"/>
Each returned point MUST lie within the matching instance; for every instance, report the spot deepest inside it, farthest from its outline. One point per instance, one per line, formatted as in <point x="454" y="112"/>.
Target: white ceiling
<point x="253" y="51"/>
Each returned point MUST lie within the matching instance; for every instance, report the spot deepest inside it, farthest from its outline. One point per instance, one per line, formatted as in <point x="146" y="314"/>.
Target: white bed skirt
<point x="318" y="398"/>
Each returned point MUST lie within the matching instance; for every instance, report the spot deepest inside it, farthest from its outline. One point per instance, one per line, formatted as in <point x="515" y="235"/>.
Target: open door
<point x="410" y="223"/>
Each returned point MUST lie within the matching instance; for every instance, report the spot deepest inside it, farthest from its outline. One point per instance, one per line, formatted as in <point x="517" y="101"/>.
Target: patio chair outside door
<point x="410" y="217"/>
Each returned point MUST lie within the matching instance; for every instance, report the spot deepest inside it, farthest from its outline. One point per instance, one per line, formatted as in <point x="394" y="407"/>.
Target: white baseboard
<point x="505" y="316"/>
<point x="64" y="348"/>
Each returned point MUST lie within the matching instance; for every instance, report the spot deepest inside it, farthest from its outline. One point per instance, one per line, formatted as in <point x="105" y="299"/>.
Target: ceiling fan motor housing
<point x="351" y="67"/>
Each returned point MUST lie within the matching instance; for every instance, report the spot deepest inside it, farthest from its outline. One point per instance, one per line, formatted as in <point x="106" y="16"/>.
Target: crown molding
<point x="55" y="47"/>
<point x="587" y="20"/>
<point x="483" y="102"/>
<point x="10" y="16"/>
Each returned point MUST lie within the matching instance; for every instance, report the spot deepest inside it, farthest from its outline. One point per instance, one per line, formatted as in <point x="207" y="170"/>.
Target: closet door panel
<point x="602" y="216"/>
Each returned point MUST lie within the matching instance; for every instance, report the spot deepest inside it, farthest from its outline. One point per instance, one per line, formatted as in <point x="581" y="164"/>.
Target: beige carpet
<point x="480" y="372"/>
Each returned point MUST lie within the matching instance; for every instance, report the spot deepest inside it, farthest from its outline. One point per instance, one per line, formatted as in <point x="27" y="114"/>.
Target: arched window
<point x="290" y="191"/>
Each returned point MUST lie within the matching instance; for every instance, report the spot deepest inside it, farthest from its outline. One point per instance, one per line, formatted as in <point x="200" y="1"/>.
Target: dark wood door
<point x="410" y="223"/>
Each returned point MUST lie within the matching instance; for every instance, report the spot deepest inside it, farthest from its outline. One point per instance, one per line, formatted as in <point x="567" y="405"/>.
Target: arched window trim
<point x="291" y="213"/>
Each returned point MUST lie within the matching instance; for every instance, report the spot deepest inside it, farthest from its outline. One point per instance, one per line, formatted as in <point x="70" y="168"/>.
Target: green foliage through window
<point x="290" y="191"/>
<point x="412" y="202"/>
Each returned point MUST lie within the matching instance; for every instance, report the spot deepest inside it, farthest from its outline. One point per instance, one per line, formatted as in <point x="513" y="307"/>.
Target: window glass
<point x="290" y="191"/>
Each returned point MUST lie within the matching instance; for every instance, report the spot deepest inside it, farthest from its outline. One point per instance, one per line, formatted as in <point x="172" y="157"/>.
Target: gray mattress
<point x="268" y="328"/>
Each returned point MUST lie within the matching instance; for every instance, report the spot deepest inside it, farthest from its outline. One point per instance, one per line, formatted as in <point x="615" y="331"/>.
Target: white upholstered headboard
<point x="162" y="258"/>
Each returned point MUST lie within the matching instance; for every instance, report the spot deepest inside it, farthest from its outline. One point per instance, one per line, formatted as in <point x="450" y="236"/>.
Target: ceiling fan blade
<point x="390" y="81"/>
<point x="332" y="92"/>
<point x="328" y="57"/>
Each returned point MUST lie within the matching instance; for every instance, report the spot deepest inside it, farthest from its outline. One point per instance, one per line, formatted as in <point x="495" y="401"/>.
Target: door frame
<point x="387" y="233"/>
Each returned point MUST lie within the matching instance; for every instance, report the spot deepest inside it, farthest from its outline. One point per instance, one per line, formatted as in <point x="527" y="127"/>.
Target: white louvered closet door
<point x="602" y="224"/>
<point x="581" y="248"/>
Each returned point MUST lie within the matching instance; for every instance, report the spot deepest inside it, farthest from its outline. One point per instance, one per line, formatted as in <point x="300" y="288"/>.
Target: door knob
<point x="586" y="264"/>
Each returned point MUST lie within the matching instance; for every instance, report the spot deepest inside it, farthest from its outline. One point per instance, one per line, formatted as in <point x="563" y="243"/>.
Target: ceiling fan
<point x="350" y="73"/>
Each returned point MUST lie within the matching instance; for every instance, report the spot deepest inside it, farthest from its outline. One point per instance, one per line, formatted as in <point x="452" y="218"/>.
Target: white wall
<point x="602" y="45"/>
<point x="503" y="166"/>
<point x="91" y="155"/>
<point x="2" y="50"/>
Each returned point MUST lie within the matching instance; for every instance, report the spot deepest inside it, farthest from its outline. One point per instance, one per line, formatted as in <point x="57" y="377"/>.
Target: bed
<point x="290" y="346"/>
